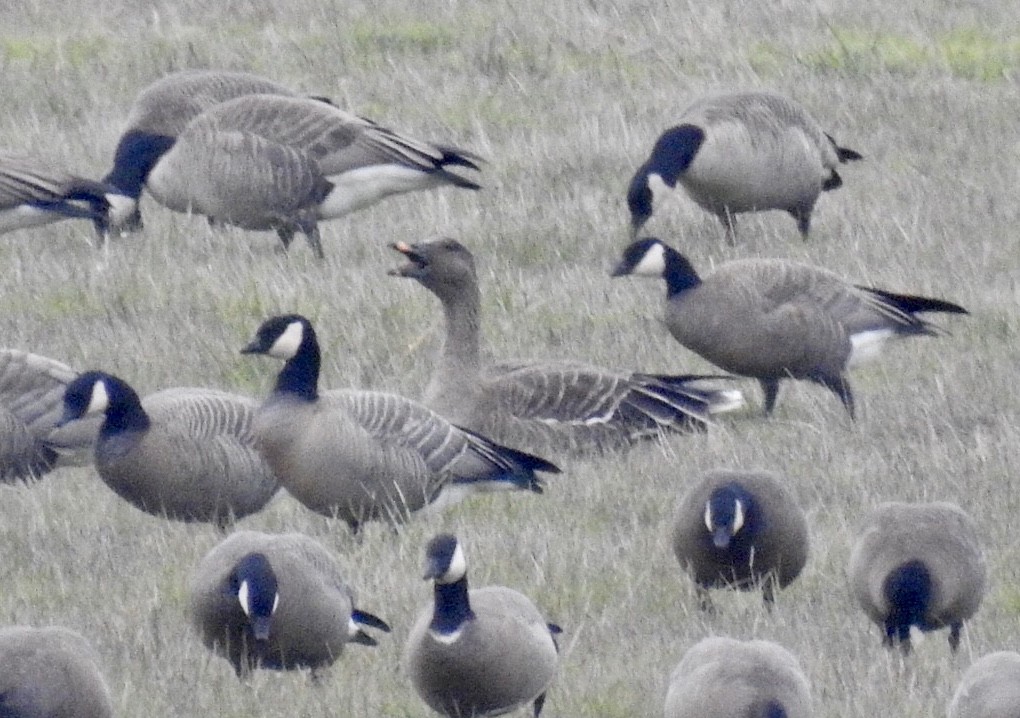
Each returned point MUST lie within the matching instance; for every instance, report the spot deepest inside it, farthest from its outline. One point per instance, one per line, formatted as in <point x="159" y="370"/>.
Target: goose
<point x="271" y="162"/>
<point x="276" y="601"/>
<point x="483" y="652"/>
<point x="360" y="455"/>
<point x="773" y="319"/>
<point x="184" y="453"/>
<point x="740" y="529"/>
<point x="918" y="565"/>
<point x="722" y="677"/>
<point x="989" y="689"/>
<point x="741" y="152"/>
<point x="158" y="116"/>
<point x="50" y="672"/>
<point x="31" y="402"/>
<point x="33" y="193"/>
<point x="564" y="404"/>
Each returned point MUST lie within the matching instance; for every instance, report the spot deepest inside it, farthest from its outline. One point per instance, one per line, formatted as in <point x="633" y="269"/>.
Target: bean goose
<point x="184" y="453"/>
<point x="31" y="403"/>
<point x="50" y="673"/>
<point x="559" y="404"/>
<point x="361" y="455"/>
<point x="918" y="565"/>
<point x="989" y="689"/>
<point x="33" y="193"/>
<point x="483" y="652"/>
<point x="158" y="116"/>
<point x="773" y="319"/>
<point x="741" y="152"/>
<point x="740" y="529"/>
<point x="721" y="677"/>
<point x="276" y="601"/>
<point x="269" y="162"/>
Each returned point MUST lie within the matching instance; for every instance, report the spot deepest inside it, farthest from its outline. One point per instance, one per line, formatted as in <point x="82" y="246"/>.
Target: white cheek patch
<point x="99" y="400"/>
<point x="659" y="189"/>
<point x="243" y="597"/>
<point x="738" y="516"/>
<point x="458" y="566"/>
<point x="287" y="344"/>
<point x="708" y="517"/>
<point x="276" y="602"/>
<point x="867" y="345"/>
<point x="653" y="263"/>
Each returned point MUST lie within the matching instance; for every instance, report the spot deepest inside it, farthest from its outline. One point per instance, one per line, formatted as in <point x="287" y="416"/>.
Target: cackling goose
<point x="773" y="319"/>
<point x="276" y="601"/>
<point x="361" y="455"/>
<point x="483" y="652"/>
<point x="918" y="565"/>
<point x="183" y="453"/>
<point x="741" y="152"/>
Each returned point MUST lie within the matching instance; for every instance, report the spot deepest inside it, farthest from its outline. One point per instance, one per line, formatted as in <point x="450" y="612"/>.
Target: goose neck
<point x="679" y="274"/>
<point x="452" y="607"/>
<point x="300" y="373"/>
<point x="460" y="355"/>
<point x="125" y="413"/>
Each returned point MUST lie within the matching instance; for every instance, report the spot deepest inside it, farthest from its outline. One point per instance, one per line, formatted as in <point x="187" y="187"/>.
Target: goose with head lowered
<point x="918" y="565"/>
<point x="741" y="152"/>
<point x="184" y="453"/>
<point x="34" y="193"/>
<point x="361" y="455"/>
<point x="271" y="162"/>
<point x="773" y="319"/>
<point x="479" y="652"/>
<point x="50" y="672"/>
<point x="157" y="117"/>
<point x="276" y="601"/>
<point x="562" y="404"/>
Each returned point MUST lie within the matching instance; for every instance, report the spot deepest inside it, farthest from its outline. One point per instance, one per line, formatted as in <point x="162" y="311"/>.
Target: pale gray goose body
<point x="990" y="688"/>
<point x="918" y="565"/>
<point x="559" y="404"/>
<point x="741" y="152"/>
<point x="276" y="601"/>
<point x="722" y="677"/>
<point x="31" y="406"/>
<point x="50" y="672"/>
<point x="361" y="455"/>
<point x="184" y="453"/>
<point x="33" y="193"/>
<point x="157" y="117"/>
<point x="773" y="319"/>
<point x="740" y="529"/>
<point x="269" y="162"/>
<point x="479" y="652"/>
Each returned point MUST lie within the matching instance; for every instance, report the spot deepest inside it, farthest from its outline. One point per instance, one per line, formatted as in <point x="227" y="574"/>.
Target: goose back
<point x="50" y="671"/>
<point x="990" y="688"/>
<point x="312" y="621"/>
<point x="766" y="541"/>
<point x="721" y="677"/>
<point x="918" y="565"/>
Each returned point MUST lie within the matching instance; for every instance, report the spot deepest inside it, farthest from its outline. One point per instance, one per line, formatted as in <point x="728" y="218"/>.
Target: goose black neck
<point x="908" y="589"/>
<point x="125" y="413"/>
<point x="679" y="274"/>
<point x="452" y="607"/>
<point x="300" y="374"/>
<point x="137" y="153"/>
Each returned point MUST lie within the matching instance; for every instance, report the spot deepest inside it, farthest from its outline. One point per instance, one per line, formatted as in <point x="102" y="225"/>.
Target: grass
<point x="564" y="100"/>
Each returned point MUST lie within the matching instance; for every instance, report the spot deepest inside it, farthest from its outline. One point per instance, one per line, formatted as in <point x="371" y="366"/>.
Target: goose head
<point x="444" y="267"/>
<point x="253" y="583"/>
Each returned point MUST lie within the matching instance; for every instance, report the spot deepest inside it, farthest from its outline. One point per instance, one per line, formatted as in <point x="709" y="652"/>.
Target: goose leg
<point x="771" y="389"/>
<point x="803" y="217"/>
<point x="730" y="225"/>
<point x="954" y="635"/>
<point x="312" y="233"/>
<point x="286" y="234"/>
<point x="840" y="386"/>
<point x="539" y="702"/>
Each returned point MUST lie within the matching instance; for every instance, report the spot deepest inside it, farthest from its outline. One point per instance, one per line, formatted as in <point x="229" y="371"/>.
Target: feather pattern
<point x="33" y="193"/>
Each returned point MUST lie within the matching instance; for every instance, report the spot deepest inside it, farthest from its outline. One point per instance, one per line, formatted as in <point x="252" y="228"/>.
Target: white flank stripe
<point x="367" y="185"/>
<point x="867" y="345"/>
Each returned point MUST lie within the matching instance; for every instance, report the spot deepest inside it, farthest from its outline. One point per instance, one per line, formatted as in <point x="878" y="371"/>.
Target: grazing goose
<point x="918" y="565"/>
<point x="721" y="677"/>
<point x="989" y="689"/>
<point x="32" y="193"/>
<point x="773" y="319"/>
<point x="741" y="152"/>
<point x="559" y="404"/>
<point x="158" y="116"/>
<point x="50" y="673"/>
<point x="269" y="162"/>
<point x="31" y="403"/>
<point x="483" y="652"/>
<point x="740" y="529"/>
<point x="361" y="455"/>
<point x="183" y="453"/>
<point x="276" y="601"/>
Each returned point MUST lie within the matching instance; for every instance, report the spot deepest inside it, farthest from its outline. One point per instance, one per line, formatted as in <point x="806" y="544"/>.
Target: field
<point x="564" y="100"/>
